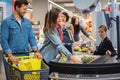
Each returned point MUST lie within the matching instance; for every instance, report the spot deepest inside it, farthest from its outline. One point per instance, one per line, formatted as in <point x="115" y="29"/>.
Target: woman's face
<point x="77" y="21"/>
<point x="102" y="33"/>
<point x="59" y="19"/>
<point x="63" y="18"/>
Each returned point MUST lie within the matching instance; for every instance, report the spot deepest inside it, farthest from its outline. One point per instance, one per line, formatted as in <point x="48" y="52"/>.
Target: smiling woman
<point x="105" y="47"/>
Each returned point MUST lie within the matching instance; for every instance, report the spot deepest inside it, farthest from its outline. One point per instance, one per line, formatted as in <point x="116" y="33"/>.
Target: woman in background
<point x="52" y="45"/>
<point x="66" y="23"/>
<point x="105" y="47"/>
<point x="78" y="28"/>
<point x="68" y="31"/>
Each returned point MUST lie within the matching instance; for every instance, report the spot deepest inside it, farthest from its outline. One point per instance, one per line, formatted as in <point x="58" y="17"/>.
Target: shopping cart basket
<point x="24" y="73"/>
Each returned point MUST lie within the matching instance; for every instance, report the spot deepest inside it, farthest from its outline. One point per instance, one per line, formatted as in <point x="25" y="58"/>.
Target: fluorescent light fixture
<point x="68" y="4"/>
<point x="58" y="5"/>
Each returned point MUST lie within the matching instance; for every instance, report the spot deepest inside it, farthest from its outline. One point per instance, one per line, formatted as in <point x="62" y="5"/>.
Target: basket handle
<point x="23" y="52"/>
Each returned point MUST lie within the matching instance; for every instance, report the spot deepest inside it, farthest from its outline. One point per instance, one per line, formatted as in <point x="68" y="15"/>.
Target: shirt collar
<point x="13" y="17"/>
<point x="105" y="38"/>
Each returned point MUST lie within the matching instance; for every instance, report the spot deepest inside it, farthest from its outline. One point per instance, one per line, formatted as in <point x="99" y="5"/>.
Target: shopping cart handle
<point x="23" y="52"/>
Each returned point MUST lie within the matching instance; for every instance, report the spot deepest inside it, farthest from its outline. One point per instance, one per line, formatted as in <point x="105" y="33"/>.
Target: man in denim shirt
<point x="17" y="34"/>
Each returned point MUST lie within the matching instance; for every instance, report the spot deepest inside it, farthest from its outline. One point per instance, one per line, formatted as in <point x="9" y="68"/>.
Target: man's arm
<point x="5" y="37"/>
<point x="4" y="42"/>
<point x="33" y="43"/>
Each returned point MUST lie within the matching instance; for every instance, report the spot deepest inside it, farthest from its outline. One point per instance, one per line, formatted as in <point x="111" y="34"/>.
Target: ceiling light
<point x="68" y="4"/>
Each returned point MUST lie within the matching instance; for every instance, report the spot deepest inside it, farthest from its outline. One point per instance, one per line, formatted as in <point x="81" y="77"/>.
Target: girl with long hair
<point x="53" y="45"/>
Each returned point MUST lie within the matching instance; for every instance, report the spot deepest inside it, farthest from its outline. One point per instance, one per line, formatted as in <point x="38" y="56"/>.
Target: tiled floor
<point x="2" y="71"/>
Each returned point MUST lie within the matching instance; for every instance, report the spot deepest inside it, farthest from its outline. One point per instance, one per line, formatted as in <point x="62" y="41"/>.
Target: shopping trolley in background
<point x="29" y="68"/>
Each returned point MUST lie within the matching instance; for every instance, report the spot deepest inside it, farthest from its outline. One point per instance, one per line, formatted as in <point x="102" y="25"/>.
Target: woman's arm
<point x="86" y="34"/>
<point x="90" y="37"/>
<point x="110" y="49"/>
<point x="83" y="31"/>
<point x="71" y="29"/>
<point x="54" y="38"/>
<point x="74" y="60"/>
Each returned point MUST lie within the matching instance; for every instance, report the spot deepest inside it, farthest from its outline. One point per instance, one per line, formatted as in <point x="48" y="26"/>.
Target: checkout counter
<point x="99" y="68"/>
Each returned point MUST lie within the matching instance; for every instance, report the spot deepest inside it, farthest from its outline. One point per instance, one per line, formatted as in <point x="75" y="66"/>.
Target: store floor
<point x="2" y="70"/>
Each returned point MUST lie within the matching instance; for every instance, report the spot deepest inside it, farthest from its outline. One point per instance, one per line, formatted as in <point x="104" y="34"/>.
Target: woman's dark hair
<point x="19" y="3"/>
<point x="103" y="27"/>
<point x="67" y="16"/>
<point x="50" y="20"/>
<point x="76" y="27"/>
<point x="46" y="18"/>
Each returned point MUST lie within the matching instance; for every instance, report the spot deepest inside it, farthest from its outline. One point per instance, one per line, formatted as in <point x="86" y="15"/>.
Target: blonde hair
<point x="103" y="27"/>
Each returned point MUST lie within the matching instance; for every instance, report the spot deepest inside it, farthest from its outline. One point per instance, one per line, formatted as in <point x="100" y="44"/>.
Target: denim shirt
<point x="52" y="46"/>
<point x="17" y="37"/>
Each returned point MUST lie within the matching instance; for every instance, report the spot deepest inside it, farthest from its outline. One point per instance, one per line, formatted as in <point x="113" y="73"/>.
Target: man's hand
<point x="13" y="58"/>
<point x="38" y="55"/>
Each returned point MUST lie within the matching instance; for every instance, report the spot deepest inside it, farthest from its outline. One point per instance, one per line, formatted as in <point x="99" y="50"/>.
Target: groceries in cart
<point x="28" y="68"/>
<point x="27" y="63"/>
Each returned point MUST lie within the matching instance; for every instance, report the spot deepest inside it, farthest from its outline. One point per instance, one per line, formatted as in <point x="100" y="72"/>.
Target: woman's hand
<point x="61" y="54"/>
<point x="76" y="61"/>
<point x="108" y="52"/>
<point x="91" y="49"/>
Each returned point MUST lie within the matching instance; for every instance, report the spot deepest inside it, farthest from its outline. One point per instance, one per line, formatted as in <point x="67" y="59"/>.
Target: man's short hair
<point x="19" y="3"/>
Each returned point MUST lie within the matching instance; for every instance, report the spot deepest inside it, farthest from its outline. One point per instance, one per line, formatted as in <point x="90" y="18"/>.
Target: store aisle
<point x="2" y="71"/>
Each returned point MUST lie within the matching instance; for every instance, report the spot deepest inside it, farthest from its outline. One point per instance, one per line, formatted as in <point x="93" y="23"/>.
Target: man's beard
<point x="20" y="15"/>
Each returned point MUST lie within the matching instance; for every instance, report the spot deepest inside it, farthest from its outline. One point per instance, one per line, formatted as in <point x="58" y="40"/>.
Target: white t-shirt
<point x="19" y="22"/>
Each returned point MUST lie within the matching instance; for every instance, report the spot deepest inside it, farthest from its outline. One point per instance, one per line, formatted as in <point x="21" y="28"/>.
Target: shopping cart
<point x="13" y="73"/>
